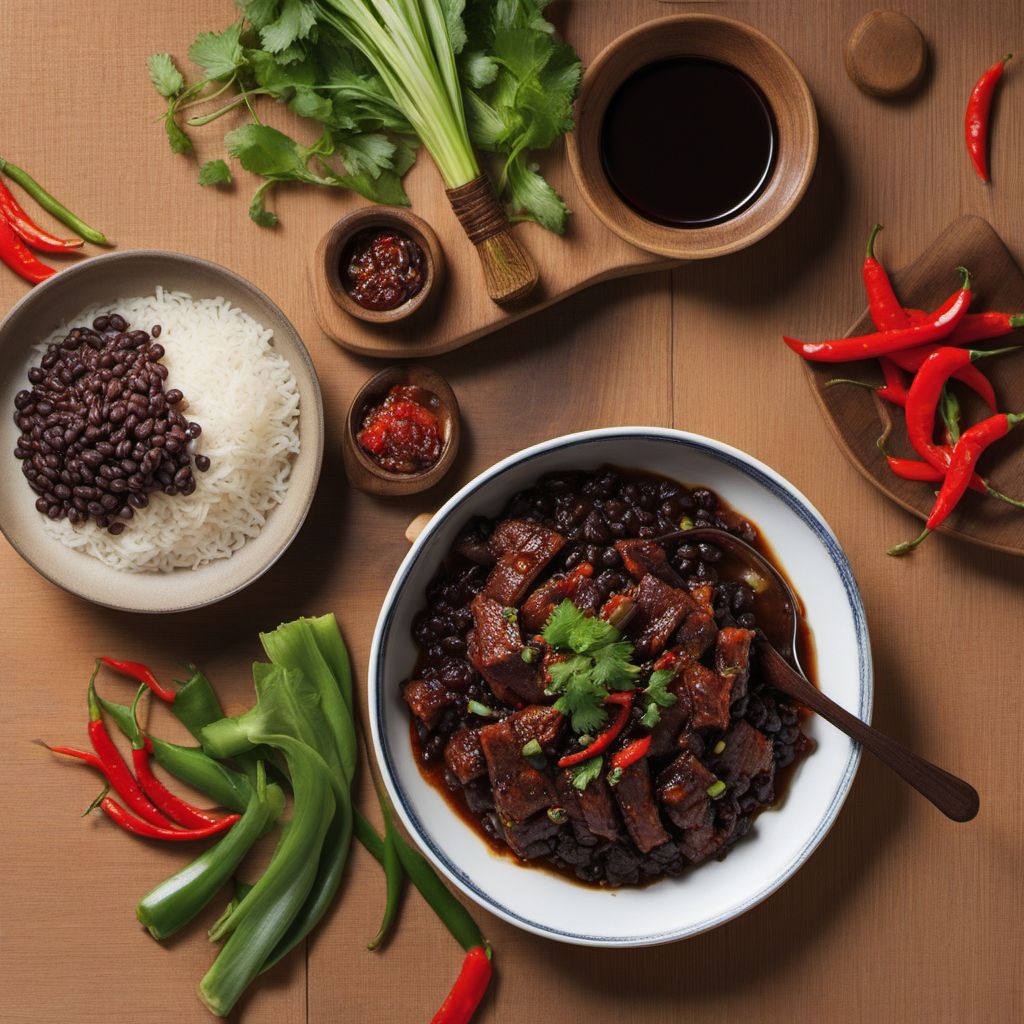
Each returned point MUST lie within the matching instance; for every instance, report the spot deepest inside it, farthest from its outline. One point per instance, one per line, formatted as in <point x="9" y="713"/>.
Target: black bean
<point x="117" y="323"/>
<point x="203" y="464"/>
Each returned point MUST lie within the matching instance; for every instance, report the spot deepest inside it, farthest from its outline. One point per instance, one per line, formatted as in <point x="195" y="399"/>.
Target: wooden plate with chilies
<point x="857" y="417"/>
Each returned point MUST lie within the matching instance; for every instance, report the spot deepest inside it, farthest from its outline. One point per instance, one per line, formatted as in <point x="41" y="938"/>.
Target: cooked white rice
<point x="244" y="396"/>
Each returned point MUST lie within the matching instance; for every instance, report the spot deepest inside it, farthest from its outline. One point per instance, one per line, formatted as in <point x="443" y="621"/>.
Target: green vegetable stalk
<point x="264" y="914"/>
<point x="177" y="900"/>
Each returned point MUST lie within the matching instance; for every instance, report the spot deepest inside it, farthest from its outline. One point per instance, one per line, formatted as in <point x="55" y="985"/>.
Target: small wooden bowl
<point x="332" y="247"/>
<point x="362" y="471"/>
<point x="729" y="42"/>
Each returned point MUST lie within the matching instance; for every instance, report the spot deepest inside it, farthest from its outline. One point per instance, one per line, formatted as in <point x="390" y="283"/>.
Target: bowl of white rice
<point x="248" y="381"/>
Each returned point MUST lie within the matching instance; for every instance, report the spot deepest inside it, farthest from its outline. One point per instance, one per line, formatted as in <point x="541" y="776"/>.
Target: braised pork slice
<point x="495" y="649"/>
<point x="682" y="789"/>
<point x="519" y="789"/>
<point x="697" y="633"/>
<point x="531" y="838"/>
<point x="661" y="610"/>
<point x="427" y="699"/>
<point x="747" y="754"/>
<point x="641" y="557"/>
<point x="732" y="658"/>
<point x="464" y="757"/>
<point x="523" y="549"/>
<point x="635" y="798"/>
<point x="708" y="694"/>
<point x="592" y="808"/>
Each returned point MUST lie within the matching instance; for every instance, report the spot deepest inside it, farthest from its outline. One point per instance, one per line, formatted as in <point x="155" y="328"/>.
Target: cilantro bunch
<point x="513" y="78"/>
<point x="597" y="662"/>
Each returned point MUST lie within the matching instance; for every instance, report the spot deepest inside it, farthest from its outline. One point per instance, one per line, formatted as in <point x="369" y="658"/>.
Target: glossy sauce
<point x="688" y="142"/>
<point x="383" y="269"/>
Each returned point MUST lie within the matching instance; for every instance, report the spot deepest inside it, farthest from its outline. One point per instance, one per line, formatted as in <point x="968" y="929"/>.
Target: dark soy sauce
<point x="688" y="142"/>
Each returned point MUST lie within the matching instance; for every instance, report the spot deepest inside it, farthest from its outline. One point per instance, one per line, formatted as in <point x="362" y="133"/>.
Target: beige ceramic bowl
<point x="729" y="42"/>
<point x="107" y="278"/>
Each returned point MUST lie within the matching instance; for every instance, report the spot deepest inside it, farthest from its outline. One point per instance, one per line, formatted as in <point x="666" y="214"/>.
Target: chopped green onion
<point x="753" y="579"/>
<point x="716" y="789"/>
<point x="614" y="776"/>
<point x="558" y="815"/>
<point x="509" y="614"/>
<point x="474" y="707"/>
<point x="528" y="654"/>
<point x="719" y="746"/>
<point x="686" y="523"/>
<point x="532" y="749"/>
<point x="586" y="739"/>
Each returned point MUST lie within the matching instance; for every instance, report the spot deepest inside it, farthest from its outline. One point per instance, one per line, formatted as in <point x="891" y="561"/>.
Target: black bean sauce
<point x="593" y="510"/>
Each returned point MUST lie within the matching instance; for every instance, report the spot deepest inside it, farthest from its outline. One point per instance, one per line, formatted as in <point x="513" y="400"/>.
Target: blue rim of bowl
<point x="794" y="500"/>
<point x="83" y="269"/>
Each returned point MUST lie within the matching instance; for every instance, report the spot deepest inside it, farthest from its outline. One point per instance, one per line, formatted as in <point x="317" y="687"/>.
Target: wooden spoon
<point x="956" y="798"/>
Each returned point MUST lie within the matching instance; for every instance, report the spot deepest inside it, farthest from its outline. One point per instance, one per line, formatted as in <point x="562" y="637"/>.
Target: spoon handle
<point x="956" y="798"/>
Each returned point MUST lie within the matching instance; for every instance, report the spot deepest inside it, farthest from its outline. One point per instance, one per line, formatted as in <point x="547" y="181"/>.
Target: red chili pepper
<point x="893" y="390"/>
<point x="882" y="343"/>
<point x="969" y="449"/>
<point x="117" y="772"/>
<point x="468" y="990"/>
<point x="913" y="359"/>
<point x="137" y="826"/>
<point x="141" y="674"/>
<point x="983" y="326"/>
<point x="14" y="253"/>
<point x="912" y="469"/>
<point x="605" y="740"/>
<point x="180" y="811"/>
<point x="923" y="397"/>
<point x="28" y="230"/>
<point x="667" y="660"/>
<point x="977" y="120"/>
<point x="886" y="311"/>
<point x="630" y="753"/>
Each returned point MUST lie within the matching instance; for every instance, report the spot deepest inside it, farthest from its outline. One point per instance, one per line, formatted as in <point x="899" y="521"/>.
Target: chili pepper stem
<point x="908" y="545"/>
<point x="849" y="380"/>
<point x="993" y="493"/>
<point x="92" y="807"/>
<point x="870" y="252"/>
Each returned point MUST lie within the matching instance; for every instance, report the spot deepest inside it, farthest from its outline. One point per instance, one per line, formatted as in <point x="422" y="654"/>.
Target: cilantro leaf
<point x="590" y="633"/>
<point x="563" y="673"/>
<point x="561" y="623"/>
<point x="294" y="21"/>
<point x="179" y="141"/>
<point x="531" y="194"/>
<point x="164" y="75"/>
<point x="657" y="696"/>
<point x="218" y="53"/>
<point x="268" y="152"/>
<point x="612" y="667"/>
<point x="585" y="773"/>
<point x="582" y="704"/>
<point x="257" y="211"/>
<point x="215" y="172"/>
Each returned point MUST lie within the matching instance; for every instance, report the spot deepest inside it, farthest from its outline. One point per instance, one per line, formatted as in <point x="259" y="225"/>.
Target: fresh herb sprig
<point x="514" y="78"/>
<point x="598" y="661"/>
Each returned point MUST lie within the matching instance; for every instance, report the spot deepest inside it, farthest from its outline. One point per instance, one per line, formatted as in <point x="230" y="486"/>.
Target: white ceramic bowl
<point x="105" y="279"/>
<point x="781" y="840"/>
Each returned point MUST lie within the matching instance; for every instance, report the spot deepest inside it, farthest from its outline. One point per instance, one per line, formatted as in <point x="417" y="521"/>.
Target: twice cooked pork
<point x="427" y="699"/>
<point x="708" y="695"/>
<point x="495" y="649"/>
<point x="682" y="789"/>
<point x="697" y="633"/>
<point x="661" y="609"/>
<point x="639" y="811"/>
<point x="578" y="586"/>
<point x="747" y="754"/>
<point x="641" y="557"/>
<point x="519" y="789"/>
<point x="522" y="549"/>
<point x="464" y="757"/>
<point x="732" y="658"/>
<point x="592" y="809"/>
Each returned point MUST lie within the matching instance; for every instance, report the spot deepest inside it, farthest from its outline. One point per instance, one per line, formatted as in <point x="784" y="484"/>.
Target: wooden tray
<point x="857" y="417"/>
<point x="587" y="253"/>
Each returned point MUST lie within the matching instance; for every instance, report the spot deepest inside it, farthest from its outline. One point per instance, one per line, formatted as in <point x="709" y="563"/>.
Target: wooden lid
<point x="886" y="55"/>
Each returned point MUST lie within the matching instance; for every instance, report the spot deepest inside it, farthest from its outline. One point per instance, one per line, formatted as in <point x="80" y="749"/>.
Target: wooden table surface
<point x="900" y="916"/>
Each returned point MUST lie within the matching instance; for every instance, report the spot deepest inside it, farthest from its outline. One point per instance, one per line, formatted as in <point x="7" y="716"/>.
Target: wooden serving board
<point x="857" y="417"/>
<point x="587" y="253"/>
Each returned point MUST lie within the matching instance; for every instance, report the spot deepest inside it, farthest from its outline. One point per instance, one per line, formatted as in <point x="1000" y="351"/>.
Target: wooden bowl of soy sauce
<point x="695" y="136"/>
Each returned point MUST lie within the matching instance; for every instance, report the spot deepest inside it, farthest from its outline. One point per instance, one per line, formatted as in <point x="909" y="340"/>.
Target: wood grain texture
<point x="858" y="418"/>
<point x="900" y="917"/>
